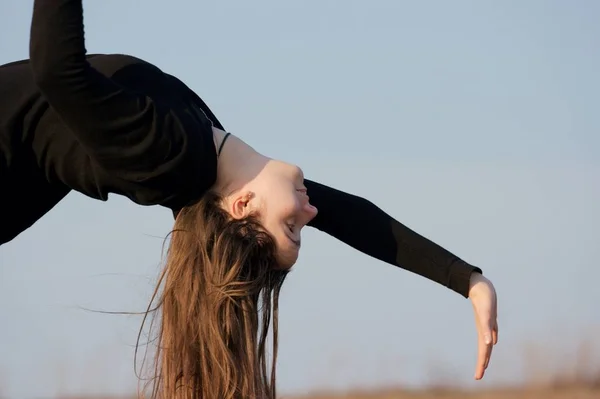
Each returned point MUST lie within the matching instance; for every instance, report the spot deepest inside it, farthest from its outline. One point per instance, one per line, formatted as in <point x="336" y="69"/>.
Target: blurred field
<point x="572" y="392"/>
<point x="524" y="393"/>
<point x="588" y="389"/>
<point x="555" y="389"/>
<point x="560" y="388"/>
<point x="549" y="374"/>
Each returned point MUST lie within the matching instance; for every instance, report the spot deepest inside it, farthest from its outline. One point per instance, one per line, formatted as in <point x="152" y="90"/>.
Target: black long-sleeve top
<point x="101" y="124"/>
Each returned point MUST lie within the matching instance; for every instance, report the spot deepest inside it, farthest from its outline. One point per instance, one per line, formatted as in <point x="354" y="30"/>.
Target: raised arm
<point x="127" y="133"/>
<point x="365" y="227"/>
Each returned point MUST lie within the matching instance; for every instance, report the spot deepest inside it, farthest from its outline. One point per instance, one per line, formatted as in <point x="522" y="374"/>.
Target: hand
<point x="483" y="298"/>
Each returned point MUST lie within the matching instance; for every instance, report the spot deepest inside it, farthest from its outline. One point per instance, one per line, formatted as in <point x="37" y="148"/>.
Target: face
<point x="284" y="208"/>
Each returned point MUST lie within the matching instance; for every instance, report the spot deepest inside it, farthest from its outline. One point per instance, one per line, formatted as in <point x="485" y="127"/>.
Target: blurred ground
<point x="524" y="393"/>
<point x="550" y="374"/>
<point x="546" y="393"/>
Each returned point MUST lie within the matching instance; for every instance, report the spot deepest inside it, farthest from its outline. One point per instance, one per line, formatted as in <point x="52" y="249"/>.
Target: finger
<point x="479" y="369"/>
<point x="488" y="355"/>
<point x="494" y="341"/>
<point x="491" y="338"/>
<point x="485" y="343"/>
<point x="483" y="354"/>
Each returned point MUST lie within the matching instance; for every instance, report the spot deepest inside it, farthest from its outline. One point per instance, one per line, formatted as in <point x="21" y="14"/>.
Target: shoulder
<point x="114" y="64"/>
<point x="107" y="64"/>
<point x="143" y="77"/>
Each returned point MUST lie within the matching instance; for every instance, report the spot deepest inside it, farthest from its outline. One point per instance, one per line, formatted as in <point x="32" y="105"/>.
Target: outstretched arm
<point x="127" y="133"/>
<point x="365" y="227"/>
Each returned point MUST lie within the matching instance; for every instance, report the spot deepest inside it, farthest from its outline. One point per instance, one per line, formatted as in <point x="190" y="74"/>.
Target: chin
<point x="287" y="259"/>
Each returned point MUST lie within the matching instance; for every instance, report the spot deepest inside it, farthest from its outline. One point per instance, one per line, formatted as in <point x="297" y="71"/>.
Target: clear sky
<point x="476" y="123"/>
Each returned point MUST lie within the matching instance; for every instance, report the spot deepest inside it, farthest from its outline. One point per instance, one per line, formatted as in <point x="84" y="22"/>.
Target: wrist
<point x="475" y="281"/>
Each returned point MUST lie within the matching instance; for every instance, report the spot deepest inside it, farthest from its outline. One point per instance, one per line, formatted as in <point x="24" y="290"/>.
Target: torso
<point x="41" y="161"/>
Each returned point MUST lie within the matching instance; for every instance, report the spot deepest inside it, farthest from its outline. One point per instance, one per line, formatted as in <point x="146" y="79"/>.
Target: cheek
<point x="288" y="208"/>
<point x="279" y="210"/>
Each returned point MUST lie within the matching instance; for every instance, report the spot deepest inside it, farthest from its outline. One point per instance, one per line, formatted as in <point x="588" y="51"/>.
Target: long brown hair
<point x="220" y="294"/>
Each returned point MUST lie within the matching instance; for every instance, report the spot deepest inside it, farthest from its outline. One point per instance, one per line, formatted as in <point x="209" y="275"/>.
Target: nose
<point x="309" y="211"/>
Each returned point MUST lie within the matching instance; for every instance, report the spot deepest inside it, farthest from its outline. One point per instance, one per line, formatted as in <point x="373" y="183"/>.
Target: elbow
<point x="45" y="76"/>
<point x="56" y="77"/>
<point x="42" y="80"/>
<point x="42" y="67"/>
<point x="46" y="63"/>
<point x="51" y="72"/>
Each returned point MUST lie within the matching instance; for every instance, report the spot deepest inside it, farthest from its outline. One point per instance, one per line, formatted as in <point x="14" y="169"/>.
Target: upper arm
<point x="353" y="220"/>
<point x="367" y="228"/>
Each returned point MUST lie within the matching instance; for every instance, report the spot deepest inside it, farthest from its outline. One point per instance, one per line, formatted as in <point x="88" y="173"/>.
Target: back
<point x="17" y="97"/>
<point x="23" y="108"/>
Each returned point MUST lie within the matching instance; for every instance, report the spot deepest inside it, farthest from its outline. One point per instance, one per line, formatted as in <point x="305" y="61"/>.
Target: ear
<point x="241" y="204"/>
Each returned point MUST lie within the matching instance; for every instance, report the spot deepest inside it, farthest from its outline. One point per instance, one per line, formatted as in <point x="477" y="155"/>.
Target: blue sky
<point x="473" y="122"/>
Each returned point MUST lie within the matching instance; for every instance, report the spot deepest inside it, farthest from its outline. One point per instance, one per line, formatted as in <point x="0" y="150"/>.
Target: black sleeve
<point x="128" y="134"/>
<point x="365" y="227"/>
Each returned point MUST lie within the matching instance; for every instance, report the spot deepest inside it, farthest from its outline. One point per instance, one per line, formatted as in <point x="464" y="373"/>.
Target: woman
<point x="101" y="124"/>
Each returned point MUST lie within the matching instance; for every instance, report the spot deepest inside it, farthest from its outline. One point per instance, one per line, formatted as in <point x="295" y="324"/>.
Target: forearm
<point x="57" y="48"/>
<point x="364" y="226"/>
<point x="102" y="116"/>
<point x="94" y="108"/>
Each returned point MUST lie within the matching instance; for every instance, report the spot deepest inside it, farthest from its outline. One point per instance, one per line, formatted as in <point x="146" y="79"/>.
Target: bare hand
<point x="483" y="298"/>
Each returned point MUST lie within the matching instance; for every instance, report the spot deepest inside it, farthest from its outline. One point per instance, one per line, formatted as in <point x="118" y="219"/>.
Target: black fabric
<point x="102" y="124"/>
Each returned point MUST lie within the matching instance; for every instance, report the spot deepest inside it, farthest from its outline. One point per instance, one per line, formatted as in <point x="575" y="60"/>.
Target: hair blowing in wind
<point x="220" y="293"/>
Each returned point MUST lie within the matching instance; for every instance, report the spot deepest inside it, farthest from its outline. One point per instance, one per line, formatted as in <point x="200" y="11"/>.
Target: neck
<point x="237" y="165"/>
